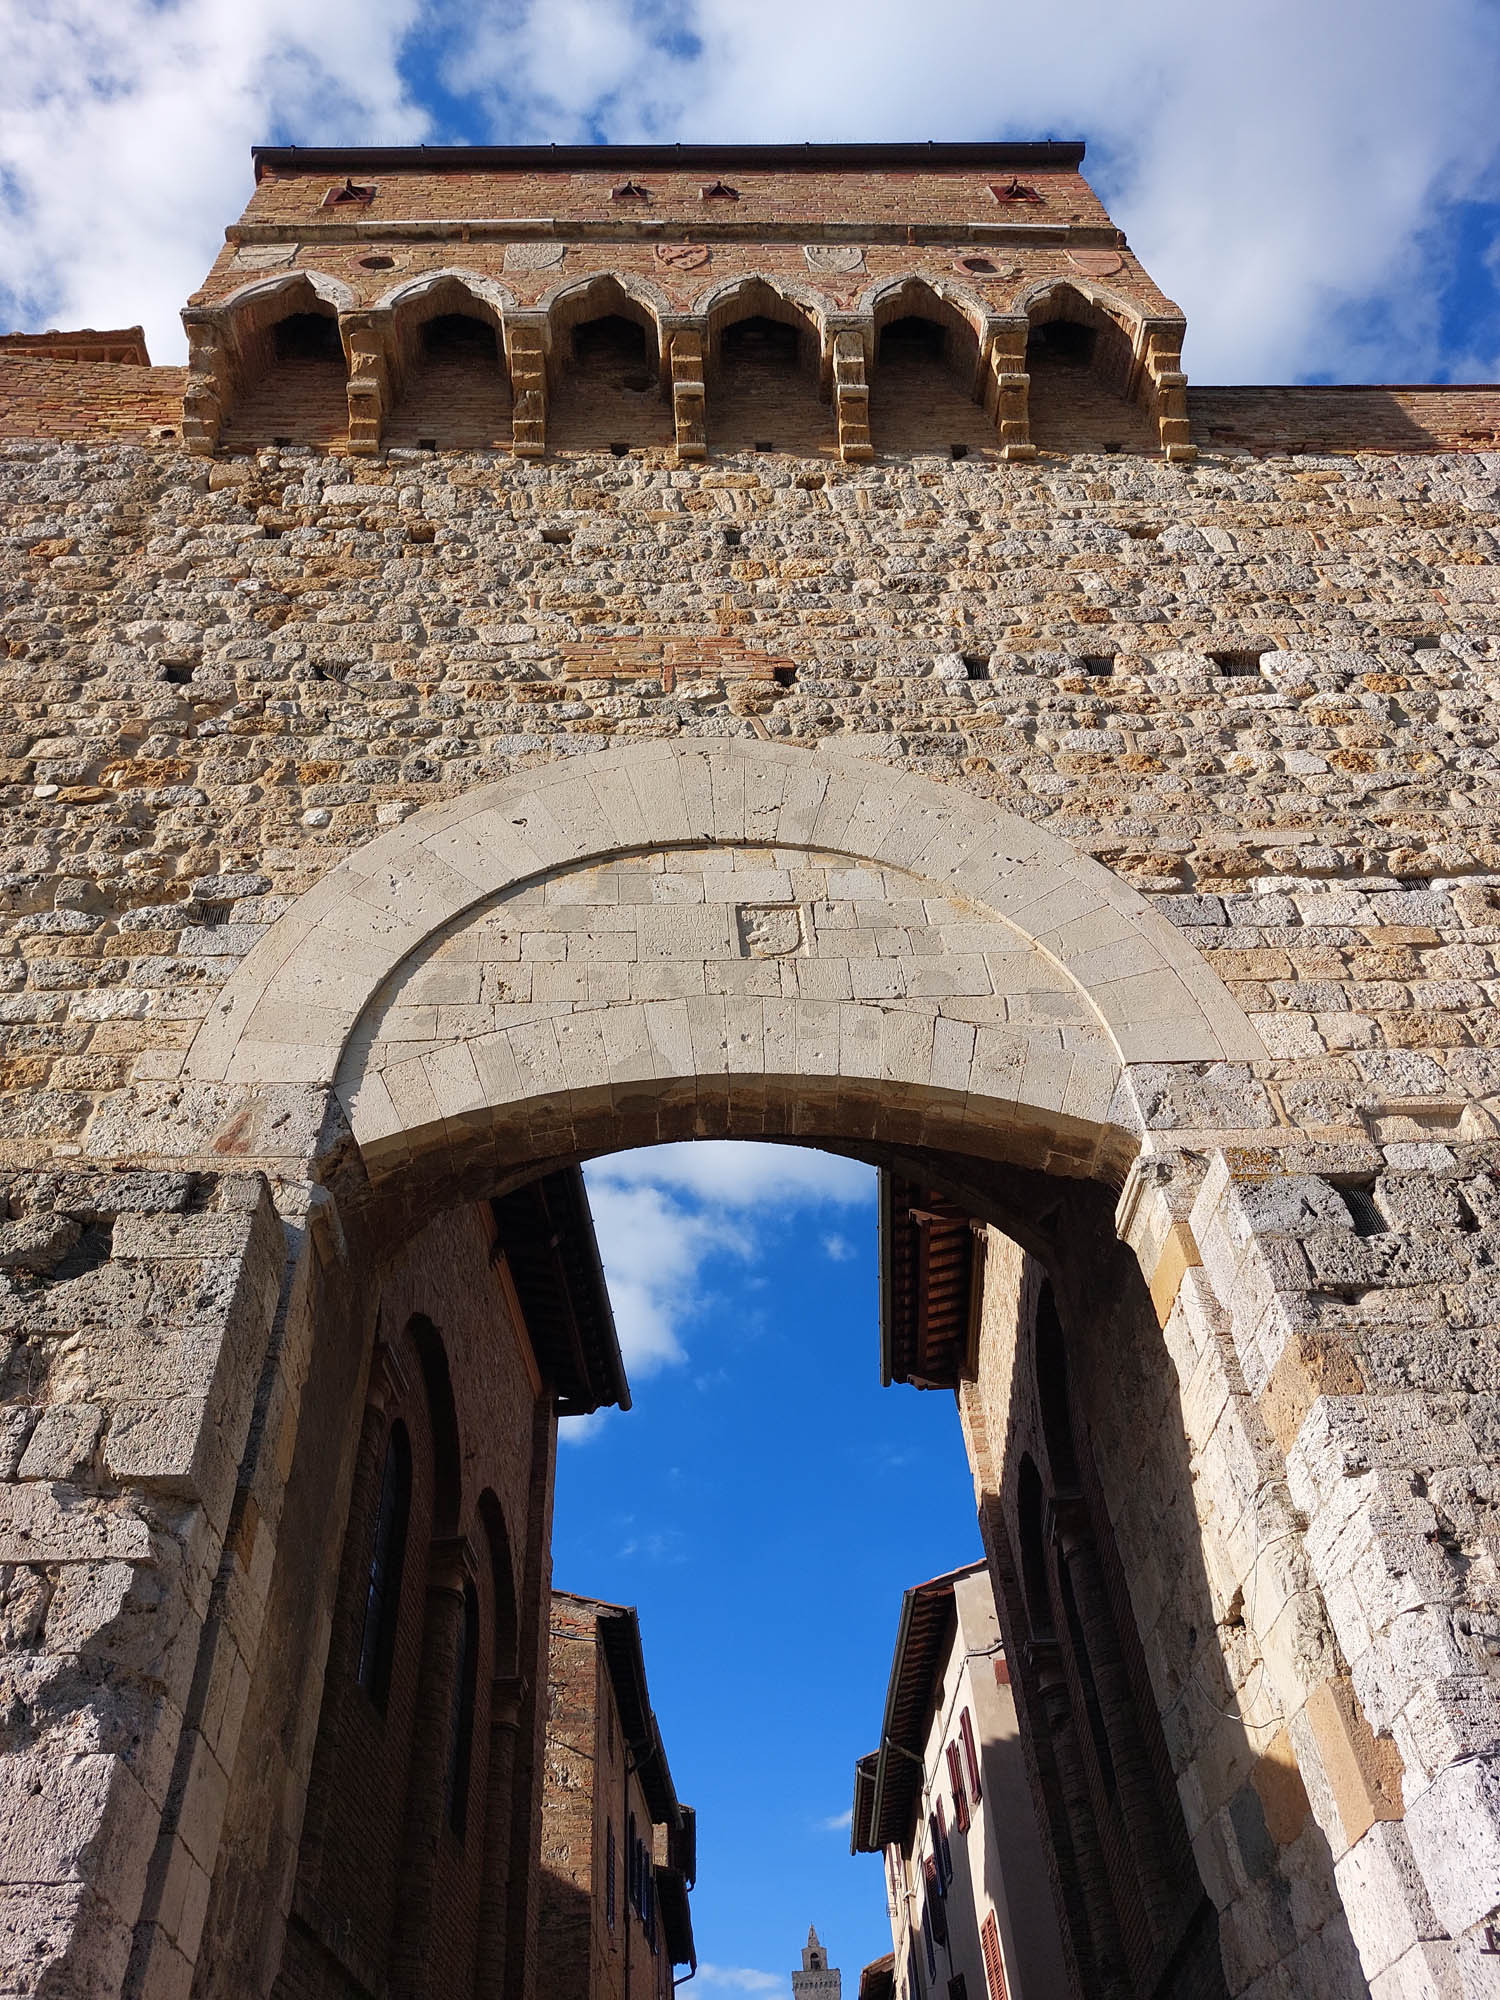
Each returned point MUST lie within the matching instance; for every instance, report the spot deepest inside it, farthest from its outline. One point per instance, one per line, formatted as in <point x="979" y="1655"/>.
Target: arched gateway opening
<point x="689" y="941"/>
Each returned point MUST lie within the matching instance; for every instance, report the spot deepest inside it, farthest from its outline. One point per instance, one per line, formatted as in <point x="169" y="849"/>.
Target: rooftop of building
<point x="546" y="1233"/>
<point x="887" y="1781"/>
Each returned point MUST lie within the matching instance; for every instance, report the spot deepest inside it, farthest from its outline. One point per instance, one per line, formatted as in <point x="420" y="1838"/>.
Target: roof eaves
<point x="813" y="157"/>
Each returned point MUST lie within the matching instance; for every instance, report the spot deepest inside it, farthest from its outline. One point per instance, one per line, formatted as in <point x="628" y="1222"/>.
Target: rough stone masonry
<point x="603" y="646"/>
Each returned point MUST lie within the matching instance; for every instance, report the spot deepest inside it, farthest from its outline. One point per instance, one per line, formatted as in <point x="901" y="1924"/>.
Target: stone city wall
<point x="1258" y="690"/>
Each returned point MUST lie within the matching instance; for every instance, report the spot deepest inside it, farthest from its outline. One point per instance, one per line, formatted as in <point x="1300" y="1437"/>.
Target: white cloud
<point x="125" y="129"/>
<point x="836" y="1822"/>
<point x="1282" y="165"/>
<point x="741" y="1979"/>
<point x="1287" y="168"/>
<point x="741" y="1173"/>
<point x="662" y="1212"/>
<point x="838" y="1249"/>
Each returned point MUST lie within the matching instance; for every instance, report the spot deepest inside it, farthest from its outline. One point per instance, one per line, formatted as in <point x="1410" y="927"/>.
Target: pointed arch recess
<point x="1096" y="978"/>
<point x="327" y="289"/>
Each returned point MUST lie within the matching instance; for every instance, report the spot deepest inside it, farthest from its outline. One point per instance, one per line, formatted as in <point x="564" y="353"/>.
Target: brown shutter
<point x="971" y="1752"/>
<point x="994" y="1965"/>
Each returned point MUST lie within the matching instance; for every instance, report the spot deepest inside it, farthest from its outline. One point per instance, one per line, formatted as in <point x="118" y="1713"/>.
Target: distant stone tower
<point x="817" y="1980"/>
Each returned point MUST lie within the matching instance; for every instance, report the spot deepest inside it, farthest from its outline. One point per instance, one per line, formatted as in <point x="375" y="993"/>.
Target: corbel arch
<point x="233" y="349"/>
<point x="459" y="394"/>
<point x="410" y="292"/>
<point x="913" y="292"/>
<point x="1091" y="385"/>
<point x="602" y="293"/>
<point x="331" y="291"/>
<point x="753" y="295"/>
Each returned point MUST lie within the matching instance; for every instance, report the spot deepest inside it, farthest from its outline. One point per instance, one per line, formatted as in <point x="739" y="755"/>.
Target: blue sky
<point x="764" y="1505"/>
<point x="1317" y="182"/>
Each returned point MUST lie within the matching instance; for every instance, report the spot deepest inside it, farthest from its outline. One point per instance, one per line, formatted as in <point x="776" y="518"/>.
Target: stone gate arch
<point x="1016" y="1044"/>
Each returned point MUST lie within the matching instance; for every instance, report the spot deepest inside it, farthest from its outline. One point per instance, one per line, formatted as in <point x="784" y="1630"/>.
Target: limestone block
<point x="1454" y="1829"/>
<point x="63" y="1442"/>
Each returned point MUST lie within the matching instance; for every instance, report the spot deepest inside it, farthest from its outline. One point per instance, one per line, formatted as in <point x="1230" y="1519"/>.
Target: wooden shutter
<point x="971" y="1754"/>
<point x="609" y="1873"/>
<point x="960" y="1796"/>
<point x="994" y="1964"/>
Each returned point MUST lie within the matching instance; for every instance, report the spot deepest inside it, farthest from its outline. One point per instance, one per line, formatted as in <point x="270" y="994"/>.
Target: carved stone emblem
<point x="1096" y="263"/>
<point x="770" y="930"/>
<point x="682" y="256"/>
<point x="264" y="256"/>
<point x="534" y="256"/>
<point x="834" y="256"/>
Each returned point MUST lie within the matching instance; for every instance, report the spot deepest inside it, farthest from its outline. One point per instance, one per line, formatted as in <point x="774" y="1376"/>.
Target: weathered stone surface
<point x="397" y="823"/>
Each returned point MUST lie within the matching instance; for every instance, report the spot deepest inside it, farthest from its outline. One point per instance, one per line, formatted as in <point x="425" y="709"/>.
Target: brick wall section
<point x="779" y="195"/>
<point x="88" y="399"/>
<point x="1347" y="419"/>
<point x="589" y="1793"/>
<point x="388" y="1894"/>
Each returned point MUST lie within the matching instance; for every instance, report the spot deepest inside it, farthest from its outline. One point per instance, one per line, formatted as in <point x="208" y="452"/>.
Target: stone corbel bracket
<point x="367" y="347"/>
<point x="1159" y="383"/>
<point x="206" y="394"/>
<point x="528" y="344"/>
<point x="1007" y="386"/>
<point x="683" y="342"/>
<point x="849" y="349"/>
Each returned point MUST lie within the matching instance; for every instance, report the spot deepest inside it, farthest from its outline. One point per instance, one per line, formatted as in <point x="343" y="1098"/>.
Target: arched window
<point x="461" y="1740"/>
<point x="1029" y="1510"/>
<point x="1052" y="1392"/>
<point x="377" y="1645"/>
<point x="1088" y="1686"/>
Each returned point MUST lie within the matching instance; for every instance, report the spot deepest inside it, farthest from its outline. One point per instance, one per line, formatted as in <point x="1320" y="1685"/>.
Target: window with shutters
<point x="958" y="1987"/>
<point x="609" y="1873"/>
<point x="935" y="1915"/>
<point x="377" y="1644"/>
<point x="994" y="1965"/>
<point x="956" y="1780"/>
<point x="928" y="1929"/>
<point x="937" y="1827"/>
<point x="971" y="1755"/>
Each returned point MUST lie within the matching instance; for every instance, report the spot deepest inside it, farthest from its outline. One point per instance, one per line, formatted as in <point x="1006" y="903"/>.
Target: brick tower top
<point x="986" y="243"/>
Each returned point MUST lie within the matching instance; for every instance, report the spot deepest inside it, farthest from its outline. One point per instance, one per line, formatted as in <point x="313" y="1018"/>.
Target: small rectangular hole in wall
<point x="426" y="444"/>
<point x="958" y="450"/>
<point x="1098" y="664"/>
<point x="280" y="441"/>
<point x="559" y="536"/>
<point x="1429" y="642"/>
<point x="977" y="666"/>
<point x="179" y="674"/>
<point x="1113" y="445"/>
<point x="732" y="537"/>
<point x="1359" y="1198"/>
<point x="764" y="444"/>
<point x="619" y="451"/>
<point x="1235" y="660"/>
<point x="785" y="676"/>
